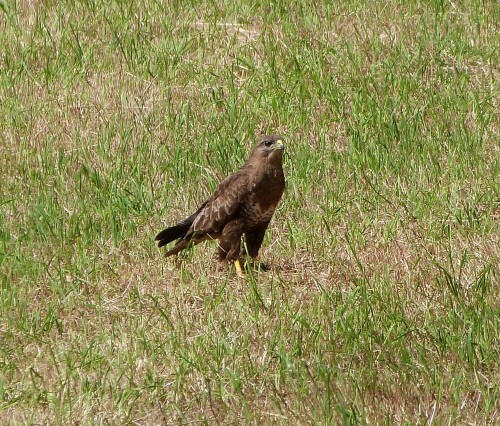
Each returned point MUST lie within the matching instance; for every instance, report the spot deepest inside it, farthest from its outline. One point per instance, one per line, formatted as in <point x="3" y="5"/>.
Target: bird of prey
<point x="242" y="205"/>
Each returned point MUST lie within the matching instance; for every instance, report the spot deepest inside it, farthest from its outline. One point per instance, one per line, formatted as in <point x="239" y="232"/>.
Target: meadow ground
<point x="382" y="303"/>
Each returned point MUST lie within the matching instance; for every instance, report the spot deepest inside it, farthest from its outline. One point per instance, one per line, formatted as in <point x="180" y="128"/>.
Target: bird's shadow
<point x="256" y="266"/>
<point x="247" y="263"/>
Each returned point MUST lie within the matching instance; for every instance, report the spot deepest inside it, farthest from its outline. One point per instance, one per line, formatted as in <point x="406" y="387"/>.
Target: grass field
<point x="382" y="304"/>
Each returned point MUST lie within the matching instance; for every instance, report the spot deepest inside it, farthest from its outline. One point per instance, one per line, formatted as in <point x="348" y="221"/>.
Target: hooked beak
<point x="280" y="145"/>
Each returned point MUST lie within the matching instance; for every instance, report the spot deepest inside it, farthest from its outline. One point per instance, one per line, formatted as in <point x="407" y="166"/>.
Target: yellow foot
<point x="239" y="271"/>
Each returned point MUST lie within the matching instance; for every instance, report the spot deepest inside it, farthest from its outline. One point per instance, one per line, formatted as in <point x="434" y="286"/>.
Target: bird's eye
<point x="268" y="143"/>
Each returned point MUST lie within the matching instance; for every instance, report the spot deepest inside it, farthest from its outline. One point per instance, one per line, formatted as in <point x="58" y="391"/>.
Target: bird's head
<point x="270" y="146"/>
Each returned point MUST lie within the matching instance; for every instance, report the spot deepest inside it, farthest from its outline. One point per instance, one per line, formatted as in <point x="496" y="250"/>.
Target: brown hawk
<point x="243" y="204"/>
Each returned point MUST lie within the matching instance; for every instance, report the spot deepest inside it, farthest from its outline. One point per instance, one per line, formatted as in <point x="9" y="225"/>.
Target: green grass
<point x="382" y="302"/>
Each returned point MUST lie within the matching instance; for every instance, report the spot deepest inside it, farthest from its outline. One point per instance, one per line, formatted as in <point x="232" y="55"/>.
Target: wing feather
<point x="223" y="205"/>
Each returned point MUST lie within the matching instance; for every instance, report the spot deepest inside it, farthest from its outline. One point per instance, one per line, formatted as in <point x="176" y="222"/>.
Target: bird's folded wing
<point x="223" y="205"/>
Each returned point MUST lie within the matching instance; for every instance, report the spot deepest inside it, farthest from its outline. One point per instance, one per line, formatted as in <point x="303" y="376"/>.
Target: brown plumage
<point x="242" y="204"/>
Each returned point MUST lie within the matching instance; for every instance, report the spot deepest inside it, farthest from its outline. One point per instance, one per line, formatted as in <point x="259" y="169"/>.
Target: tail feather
<point x="173" y="233"/>
<point x="180" y="245"/>
<point x="178" y="232"/>
<point x="185" y="241"/>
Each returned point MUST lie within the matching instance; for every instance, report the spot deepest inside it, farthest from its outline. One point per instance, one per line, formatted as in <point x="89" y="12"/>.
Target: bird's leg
<point x="230" y="244"/>
<point x="237" y="266"/>
<point x="253" y="241"/>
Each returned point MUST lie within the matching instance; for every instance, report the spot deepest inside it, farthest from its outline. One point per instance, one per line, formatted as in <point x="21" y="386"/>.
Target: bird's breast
<point x="256" y="214"/>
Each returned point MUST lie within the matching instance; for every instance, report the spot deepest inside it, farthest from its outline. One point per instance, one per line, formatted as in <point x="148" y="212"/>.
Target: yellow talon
<point x="237" y="266"/>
